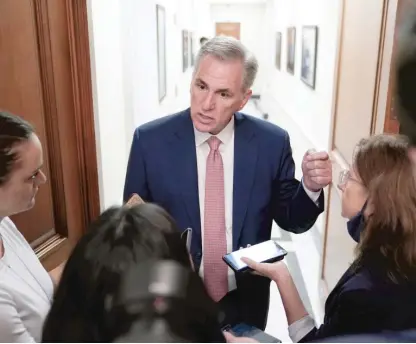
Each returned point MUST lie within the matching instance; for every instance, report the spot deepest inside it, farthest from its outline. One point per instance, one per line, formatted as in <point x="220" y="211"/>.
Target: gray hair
<point x="228" y="48"/>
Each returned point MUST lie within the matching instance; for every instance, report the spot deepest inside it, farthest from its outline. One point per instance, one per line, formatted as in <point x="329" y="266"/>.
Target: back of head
<point x="162" y="301"/>
<point x="385" y="169"/>
<point x="120" y="238"/>
<point x="226" y="48"/>
<point x="406" y="72"/>
<point x="13" y="130"/>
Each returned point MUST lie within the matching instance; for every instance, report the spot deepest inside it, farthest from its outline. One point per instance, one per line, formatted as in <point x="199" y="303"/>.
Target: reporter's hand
<point x="269" y="270"/>
<point x="230" y="338"/>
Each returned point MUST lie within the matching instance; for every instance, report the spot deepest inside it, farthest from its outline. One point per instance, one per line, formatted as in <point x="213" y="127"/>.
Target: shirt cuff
<point x="313" y="195"/>
<point x="301" y="328"/>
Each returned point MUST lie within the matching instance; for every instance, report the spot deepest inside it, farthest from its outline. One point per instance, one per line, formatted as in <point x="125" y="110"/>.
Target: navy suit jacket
<point x="367" y="301"/>
<point x="162" y="169"/>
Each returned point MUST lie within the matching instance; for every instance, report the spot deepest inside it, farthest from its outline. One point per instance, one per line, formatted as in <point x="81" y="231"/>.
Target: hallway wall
<point x="305" y="113"/>
<point x="109" y="97"/>
<point x="125" y="76"/>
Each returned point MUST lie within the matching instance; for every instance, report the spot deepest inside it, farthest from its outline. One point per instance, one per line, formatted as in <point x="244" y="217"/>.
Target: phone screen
<point x="268" y="251"/>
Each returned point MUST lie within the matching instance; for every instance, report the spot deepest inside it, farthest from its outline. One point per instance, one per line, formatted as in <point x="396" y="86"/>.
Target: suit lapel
<point x="184" y="167"/>
<point x="245" y="159"/>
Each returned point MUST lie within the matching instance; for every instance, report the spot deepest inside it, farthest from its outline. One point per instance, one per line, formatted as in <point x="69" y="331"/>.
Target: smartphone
<point x="265" y="252"/>
<point x="187" y="238"/>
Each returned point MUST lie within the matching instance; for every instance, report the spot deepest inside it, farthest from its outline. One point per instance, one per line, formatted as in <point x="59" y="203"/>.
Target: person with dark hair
<point x="119" y="241"/>
<point x="26" y="289"/>
<point x="162" y="301"/>
<point x="378" y="291"/>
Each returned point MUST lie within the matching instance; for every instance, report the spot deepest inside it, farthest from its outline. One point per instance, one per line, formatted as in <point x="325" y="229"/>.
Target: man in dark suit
<point x="227" y="176"/>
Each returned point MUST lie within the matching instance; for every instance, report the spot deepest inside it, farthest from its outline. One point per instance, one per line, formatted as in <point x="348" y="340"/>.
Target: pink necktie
<point x="215" y="241"/>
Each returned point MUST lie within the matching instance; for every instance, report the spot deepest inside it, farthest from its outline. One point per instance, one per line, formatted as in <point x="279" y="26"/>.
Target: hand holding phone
<point x="265" y="252"/>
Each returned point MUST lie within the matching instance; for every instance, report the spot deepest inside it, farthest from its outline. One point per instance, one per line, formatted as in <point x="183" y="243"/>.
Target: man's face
<point x="217" y="93"/>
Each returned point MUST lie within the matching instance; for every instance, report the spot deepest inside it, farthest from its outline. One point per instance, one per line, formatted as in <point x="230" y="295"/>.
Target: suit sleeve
<point x="357" y="311"/>
<point x="293" y="210"/>
<point x="136" y="180"/>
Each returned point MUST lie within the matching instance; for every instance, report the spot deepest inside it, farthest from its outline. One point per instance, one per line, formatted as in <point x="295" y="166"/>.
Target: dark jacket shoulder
<point x="366" y="300"/>
<point x="165" y="124"/>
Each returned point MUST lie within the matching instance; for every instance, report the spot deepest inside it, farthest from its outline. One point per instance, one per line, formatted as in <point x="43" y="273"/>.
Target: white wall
<point x="304" y="112"/>
<point x="109" y="104"/>
<point x="252" y="33"/>
<point x="140" y="51"/>
<point x="125" y="76"/>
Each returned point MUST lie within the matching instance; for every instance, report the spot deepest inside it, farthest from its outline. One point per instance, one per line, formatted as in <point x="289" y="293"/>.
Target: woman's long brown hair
<point x="385" y="169"/>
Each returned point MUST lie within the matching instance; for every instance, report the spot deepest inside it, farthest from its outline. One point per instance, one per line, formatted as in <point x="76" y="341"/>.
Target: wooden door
<point x="20" y="93"/>
<point x="358" y="76"/>
<point x="45" y="78"/>
<point x="228" y="29"/>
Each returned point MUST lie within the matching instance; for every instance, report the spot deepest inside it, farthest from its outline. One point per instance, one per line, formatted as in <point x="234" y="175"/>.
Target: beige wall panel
<point x="358" y="70"/>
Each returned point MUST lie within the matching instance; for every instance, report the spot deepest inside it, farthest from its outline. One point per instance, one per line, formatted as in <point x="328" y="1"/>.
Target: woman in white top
<point x="26" y="288"/>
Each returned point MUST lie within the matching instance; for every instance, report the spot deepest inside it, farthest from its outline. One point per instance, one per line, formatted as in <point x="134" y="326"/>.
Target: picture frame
<point x="278" y="53"/>
<point x="291" y="50"/>
<point x="185" y="50"/>
<point x="309" y="55"/>
<point x="192" y="48"/>
<point x="161" y="51"/>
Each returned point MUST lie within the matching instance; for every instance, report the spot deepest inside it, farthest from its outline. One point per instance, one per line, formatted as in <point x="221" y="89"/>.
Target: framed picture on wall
<point x="161" y="50"/>
<point x="192" y="47"/>
<point x="309" y="50"/>
<point x="185" y="50"/>
<point x="291" y="50"/>
<point x="278" y="56"/>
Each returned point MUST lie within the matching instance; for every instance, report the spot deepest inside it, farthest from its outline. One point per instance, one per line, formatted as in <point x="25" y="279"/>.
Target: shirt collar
<point x="225" y="135"/>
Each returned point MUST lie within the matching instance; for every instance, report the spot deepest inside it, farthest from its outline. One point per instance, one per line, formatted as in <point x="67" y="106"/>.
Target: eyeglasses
<point x="345" y="176"/>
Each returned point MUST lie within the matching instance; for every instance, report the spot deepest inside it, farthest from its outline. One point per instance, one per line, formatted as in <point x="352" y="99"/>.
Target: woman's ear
<point x="369" y="209"/>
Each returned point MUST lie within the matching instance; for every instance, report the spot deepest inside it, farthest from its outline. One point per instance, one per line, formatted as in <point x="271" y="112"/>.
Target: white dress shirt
<point x="227" y="153"/>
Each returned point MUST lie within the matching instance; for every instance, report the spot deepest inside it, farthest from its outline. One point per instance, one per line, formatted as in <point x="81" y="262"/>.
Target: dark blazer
<point x="366" y="301"/>
<point x="162" y="168"/>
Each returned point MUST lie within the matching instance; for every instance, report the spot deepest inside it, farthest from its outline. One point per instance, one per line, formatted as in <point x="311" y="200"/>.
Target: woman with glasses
<point x="378" y="291"/>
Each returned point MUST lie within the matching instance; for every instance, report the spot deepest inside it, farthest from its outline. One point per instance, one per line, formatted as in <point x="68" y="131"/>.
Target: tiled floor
<point x="303" y="263"/>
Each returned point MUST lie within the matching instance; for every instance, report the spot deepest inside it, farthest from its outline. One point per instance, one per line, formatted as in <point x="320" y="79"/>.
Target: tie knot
<point x="214" y="143"/>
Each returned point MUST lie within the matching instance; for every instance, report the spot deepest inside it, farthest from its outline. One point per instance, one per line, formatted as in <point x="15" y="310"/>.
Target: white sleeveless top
<point x="26" y="289"/>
